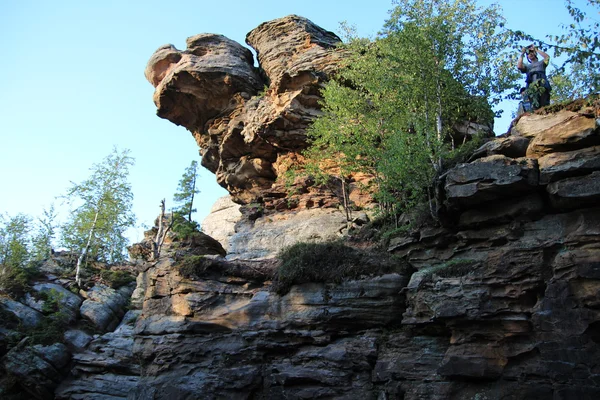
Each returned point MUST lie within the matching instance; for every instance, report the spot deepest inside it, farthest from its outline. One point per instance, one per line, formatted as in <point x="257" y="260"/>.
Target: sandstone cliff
<point x="500" y="301"/>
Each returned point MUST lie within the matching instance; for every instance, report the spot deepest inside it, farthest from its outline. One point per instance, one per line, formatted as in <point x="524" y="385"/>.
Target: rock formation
<point x="246" y="119"/>
<point x="498" y="301"/>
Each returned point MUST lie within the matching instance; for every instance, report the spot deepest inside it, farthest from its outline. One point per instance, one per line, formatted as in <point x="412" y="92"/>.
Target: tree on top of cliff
<point x="391" y="109"/>
<point x="182" y="223"/>
<point x="101" y="212"/>
<point x="186" y="191"/>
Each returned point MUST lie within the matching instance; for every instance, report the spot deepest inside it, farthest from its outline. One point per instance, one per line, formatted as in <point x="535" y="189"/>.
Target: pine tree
<point x="186" y="191"/>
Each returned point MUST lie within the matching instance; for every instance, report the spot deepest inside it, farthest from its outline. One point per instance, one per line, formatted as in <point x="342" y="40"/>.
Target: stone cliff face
<point x="501" y="303"/>
<point x="501" y="300"/>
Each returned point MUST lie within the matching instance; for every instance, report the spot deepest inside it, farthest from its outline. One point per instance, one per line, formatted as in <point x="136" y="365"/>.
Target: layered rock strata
<point x="500" y="303"/>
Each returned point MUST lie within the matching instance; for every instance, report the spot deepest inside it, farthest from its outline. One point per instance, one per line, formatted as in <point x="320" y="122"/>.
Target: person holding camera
<point x="537" y="83"/>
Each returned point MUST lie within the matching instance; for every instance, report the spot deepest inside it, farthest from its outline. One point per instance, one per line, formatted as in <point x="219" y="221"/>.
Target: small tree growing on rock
<point x="185" y="194"/>
<point x="101" y="212"/>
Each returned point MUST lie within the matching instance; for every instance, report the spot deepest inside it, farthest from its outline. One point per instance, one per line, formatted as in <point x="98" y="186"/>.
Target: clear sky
<point x="72" y="86"/>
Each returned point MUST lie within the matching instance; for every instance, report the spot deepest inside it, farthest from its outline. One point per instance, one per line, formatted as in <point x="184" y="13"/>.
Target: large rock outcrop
<point x="246" y="119"/>
<point x="500" y="303"/>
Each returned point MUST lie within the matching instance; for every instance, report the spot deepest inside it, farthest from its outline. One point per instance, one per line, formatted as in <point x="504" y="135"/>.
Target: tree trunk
<point x="192" y="199"/>
<point x="160" y="235"/>
<point x="346" y="201"/>
<point x="85" y="250"/>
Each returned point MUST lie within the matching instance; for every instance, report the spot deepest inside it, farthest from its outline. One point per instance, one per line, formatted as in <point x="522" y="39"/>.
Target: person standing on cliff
<point x="538" y="85"/>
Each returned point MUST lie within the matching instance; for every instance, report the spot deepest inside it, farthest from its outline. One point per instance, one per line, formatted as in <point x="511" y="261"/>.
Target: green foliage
<point x="462" y="153"/>
<point x="46" y="232"/>
<point x="15" y="241"/>
<point x="331" y="262"/>
<point x="101" y="210"/>
<point x="50" y="330"/>
<point x="52" y="301"/>
<point x="391" y="109"/>
<point x="194" y="266"/>
<point x="186" y="191"/>
<point x="17" y="265"/>
<point x="451" y="269"/>
<point x="182" y="227"/>
<point x="14" y="281"/>
<point x="569" y="84"/>
<point x="116" y="278"/>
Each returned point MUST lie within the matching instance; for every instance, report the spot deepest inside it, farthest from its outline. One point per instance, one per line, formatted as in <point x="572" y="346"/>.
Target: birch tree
<point x="391" y="109"/>
<point x="101" y="212"/>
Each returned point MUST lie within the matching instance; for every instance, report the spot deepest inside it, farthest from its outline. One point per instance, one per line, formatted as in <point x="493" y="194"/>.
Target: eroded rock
<point x="490" y="178"/>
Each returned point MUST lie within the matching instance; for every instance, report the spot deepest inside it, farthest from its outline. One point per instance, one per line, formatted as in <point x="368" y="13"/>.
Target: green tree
<point x="101" y="212"/>
<point x="186" y="191"/>
<point x="15" y="241"/>
<point x="15" y="258"/>
<point x="45" y="234"/>
<point x="392" y="107"/>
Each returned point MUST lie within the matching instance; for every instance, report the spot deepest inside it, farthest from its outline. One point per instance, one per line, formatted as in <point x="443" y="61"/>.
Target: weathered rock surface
<point x="107" y="369"/>
<point x="39" y="369"/>
<point x="562" y="131"/>
<point x="220" y="223"/>
<point x="511" y="146"/>
<point x="69" y="302"/>
<point x="212" y="89"/>
<point x="105" y="306"/>
<point x="490" y="178"/>
<point x="268" y="235"/>
<point x="27" y="316"/>
<point x="502" y="301"/>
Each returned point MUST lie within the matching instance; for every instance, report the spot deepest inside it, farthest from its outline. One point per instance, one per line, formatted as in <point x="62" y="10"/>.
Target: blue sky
<point x="72" y="86"/>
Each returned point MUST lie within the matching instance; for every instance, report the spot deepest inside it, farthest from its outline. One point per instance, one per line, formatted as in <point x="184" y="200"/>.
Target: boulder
<point x="105" y="306"/>
<point x="511" y="146"/>
<point x="77" y="339"/>
<point x="68" y="301"/>
<point x="39" y="369"/>
<point x="28" y="316"/>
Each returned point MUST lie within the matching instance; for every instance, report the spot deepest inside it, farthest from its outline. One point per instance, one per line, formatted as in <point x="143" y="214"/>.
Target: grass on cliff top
<point x="332" y="262"/>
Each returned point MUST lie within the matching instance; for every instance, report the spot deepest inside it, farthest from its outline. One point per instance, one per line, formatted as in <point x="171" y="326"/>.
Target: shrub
<point x="450" y="269"/>
<point x="116" y="279"/>
<point x="50" y="330"/>
<point x="331" y="262"/>
<point x="194" y="266"/>
<point x="182" y="228"/>
<point x="14" y="281"/>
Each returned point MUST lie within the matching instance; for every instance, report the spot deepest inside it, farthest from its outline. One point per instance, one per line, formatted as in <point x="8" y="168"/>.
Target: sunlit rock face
<point x="245" y="118"/>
